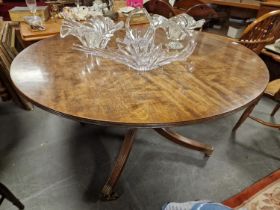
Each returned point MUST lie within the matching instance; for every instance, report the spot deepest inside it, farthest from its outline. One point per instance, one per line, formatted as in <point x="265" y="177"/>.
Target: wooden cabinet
<point x="268" y="6"/>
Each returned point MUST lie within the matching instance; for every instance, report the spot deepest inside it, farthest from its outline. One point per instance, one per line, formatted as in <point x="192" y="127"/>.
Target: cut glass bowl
<point x="93" y="33"/>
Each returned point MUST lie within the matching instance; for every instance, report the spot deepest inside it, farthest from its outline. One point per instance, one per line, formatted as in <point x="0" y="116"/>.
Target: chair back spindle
<point x="263" y="31"/>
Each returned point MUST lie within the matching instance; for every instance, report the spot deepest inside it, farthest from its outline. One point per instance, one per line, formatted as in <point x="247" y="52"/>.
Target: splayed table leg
<point x="107" y="190"/>
<point x="183" y="141"/>
<point x="246" y="114"/>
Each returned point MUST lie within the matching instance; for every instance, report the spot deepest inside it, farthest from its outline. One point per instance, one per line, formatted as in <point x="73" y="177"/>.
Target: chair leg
<point x="6" y="193"/>
<point x="245" y="115"/>
<point x="273" y="125"/>
<point x="276" y="108"/>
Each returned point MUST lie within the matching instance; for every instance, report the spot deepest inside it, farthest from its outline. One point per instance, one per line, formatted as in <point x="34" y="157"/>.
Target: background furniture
<point x="204" y="11"/>
<point x="52" y="28"/>
<point x="266" y="7"/>
<point x="157" y="99"/>
<point x="7" y="194"/>
<point x="196" y="8"/>
<point x="261" y="32"/>
<point x="273" y="92"/>
<point x="9" y="4"/>
<point x="200" y="10"/>
<point x="243" y="9"/>
<point x="9" y="48"/>
<point x="186" y="4"/>
<point x="272" y="60"/>
<point x="258" y="34"/>
<point x="245" y="4"/>
<point x="160" y="7"/>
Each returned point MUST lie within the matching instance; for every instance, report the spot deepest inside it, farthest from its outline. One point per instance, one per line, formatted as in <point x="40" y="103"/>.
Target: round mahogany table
<point x="226" y="77"/>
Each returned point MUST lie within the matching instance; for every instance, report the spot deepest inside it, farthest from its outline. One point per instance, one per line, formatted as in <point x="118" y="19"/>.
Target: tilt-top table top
<point x="226" y="76"/>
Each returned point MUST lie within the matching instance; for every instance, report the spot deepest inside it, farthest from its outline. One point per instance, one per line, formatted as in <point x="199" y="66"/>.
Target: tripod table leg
<point x="183" y="141"/>
<point x="107" y="190"/>
<point x="6" y="193"/>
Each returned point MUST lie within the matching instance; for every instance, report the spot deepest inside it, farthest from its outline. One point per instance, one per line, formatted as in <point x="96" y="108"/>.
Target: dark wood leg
<point x="2" y="199"/>
<point x="245" y="115"/>
<point x="276" y="108"/>
<point x="107" y="190"/>
<point x="181" y="140"/>
<point x="6" y="193"/>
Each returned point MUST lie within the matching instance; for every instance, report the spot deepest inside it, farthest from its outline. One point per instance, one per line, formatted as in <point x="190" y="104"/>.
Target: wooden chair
<point x="202" y="11"/>
<point x="186" y="4"/>
<point x="160" y="7"/>
<point x="7" y="194"/>
<point x="196" y="8"/>
<point x="273" y="92"/>
<point x="261" y="32"/>
<point x="258" y="34"/>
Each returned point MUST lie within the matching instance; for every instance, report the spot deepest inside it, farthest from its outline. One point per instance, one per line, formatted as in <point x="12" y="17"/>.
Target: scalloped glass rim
<point x="93" y="33"/>
<point x="147" y="58"/>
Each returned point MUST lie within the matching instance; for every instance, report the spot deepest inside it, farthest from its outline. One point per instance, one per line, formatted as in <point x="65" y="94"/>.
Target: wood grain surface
<point x="248" y="4"/>
<point x="226" y="77"/>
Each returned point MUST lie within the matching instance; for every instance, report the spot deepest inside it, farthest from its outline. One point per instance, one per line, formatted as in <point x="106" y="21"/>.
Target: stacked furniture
<point x="6" y="5"/>
<point x="10" y="46"/>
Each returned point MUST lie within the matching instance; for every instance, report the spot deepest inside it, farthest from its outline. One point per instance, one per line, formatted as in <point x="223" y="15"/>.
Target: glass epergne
<point x="140" y="50"/>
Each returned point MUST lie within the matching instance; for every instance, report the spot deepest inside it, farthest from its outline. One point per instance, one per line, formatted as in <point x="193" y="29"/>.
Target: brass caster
<point x="109" y="197"/>
<point x="209" y="152"/>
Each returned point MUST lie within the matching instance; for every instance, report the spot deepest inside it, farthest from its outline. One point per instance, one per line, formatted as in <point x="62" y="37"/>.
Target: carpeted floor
<point x="262" y="195"/>
<point x="52" y="163"/>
